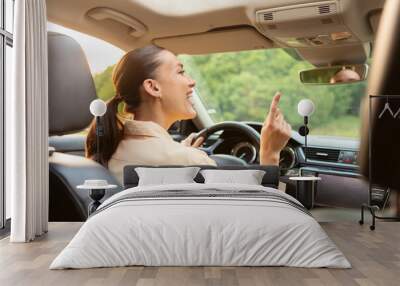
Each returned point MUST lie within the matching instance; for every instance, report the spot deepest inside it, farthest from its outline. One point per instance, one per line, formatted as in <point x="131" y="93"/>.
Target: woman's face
<point x="176" y="88"/>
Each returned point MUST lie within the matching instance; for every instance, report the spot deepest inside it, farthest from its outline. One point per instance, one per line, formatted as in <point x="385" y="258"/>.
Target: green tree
<point x="104" y="85"/>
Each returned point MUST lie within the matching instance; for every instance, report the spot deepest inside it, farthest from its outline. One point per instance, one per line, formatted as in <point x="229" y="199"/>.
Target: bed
<point x="201" y="224"/>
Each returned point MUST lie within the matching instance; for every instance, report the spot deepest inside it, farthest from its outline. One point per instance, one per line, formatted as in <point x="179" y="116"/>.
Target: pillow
<point x="249" y="177"/>
<point x="163" y="176"/>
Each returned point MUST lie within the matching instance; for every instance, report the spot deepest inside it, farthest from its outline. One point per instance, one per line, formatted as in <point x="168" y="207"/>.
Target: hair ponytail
<point x="112" y="133"/>
<point x="128" y="76"/>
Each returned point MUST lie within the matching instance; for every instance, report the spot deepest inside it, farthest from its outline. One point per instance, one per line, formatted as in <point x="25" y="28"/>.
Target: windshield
<point x="239" y="86"/>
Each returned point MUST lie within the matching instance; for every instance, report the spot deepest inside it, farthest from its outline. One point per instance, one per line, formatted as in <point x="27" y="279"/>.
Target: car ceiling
<point x="200" y="27"/>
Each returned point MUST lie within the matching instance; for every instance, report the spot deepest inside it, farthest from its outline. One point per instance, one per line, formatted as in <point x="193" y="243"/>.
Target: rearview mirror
<point x="335" y="74"/>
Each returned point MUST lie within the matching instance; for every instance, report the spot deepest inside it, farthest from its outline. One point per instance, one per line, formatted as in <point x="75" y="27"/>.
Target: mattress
<point x="201" y="225"/>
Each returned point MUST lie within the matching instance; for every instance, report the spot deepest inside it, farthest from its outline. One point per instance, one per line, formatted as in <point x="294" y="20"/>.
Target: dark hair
<point x="128" y="75"/>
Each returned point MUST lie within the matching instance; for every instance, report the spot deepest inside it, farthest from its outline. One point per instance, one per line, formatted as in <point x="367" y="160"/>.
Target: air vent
<point x="324" y="9"/>
<point x="268" y="16"/>
<point x="320" y="154"/>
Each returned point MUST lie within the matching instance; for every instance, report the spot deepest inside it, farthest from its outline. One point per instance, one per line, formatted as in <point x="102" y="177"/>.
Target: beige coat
<point x="147" y="143"/>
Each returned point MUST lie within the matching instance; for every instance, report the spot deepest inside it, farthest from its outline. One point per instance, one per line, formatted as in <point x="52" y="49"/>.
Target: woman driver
<point x="155" y="89"/>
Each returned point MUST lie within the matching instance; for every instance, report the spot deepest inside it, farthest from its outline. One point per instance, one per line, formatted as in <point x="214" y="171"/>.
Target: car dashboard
<point x="323" y="153"/>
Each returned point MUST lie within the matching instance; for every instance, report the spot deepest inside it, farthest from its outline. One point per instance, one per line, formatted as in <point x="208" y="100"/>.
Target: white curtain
<point x="27" y="124"/>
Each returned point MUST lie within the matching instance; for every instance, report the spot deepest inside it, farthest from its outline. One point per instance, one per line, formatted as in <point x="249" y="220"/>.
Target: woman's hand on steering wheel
<point x="275" y="134"/>
<point x="188" y="141"/>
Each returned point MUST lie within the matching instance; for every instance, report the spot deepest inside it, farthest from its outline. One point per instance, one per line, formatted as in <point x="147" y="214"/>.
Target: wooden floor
<point x="374" y="255"/>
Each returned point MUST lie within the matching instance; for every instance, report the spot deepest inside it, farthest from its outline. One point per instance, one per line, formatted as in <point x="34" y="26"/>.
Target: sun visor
<point x="349" y="54"/>
<point x="221" y="40"/>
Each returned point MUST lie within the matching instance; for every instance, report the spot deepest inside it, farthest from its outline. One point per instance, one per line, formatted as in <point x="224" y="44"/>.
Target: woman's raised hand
<point x="188" y="141"/>
<point x="275" y="134"/>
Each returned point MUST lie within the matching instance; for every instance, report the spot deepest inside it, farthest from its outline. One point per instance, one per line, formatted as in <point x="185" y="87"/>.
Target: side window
<point x="6" y="44"/>
<point x="9" y="15"/>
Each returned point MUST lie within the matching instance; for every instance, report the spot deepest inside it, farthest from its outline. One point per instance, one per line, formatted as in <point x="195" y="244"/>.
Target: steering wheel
<point x="223" y="159"/>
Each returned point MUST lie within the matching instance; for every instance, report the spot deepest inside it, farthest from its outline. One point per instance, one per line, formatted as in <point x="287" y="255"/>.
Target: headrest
<point x="270" y="179"/>
<point x="71" y="86"/>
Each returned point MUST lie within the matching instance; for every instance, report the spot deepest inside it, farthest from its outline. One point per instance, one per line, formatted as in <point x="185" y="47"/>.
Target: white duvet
<point x="183" y="231"/>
